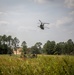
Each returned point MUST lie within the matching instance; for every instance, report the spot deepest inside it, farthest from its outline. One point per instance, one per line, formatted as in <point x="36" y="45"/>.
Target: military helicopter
<point x="42" y="25"/>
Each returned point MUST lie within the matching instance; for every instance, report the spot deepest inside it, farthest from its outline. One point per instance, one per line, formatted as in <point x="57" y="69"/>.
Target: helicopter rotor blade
<point x="38" y="26"/>
<point x="40" y="21"/>
<point x="47" y="27"/>
<point x="46" y="23"/>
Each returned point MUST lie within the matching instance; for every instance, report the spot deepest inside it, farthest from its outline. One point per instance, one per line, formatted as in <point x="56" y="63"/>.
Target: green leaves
<point x="7" y="43"/>
<point x="43" y="65"/>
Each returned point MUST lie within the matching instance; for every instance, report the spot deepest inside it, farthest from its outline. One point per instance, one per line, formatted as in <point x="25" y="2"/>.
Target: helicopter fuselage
<point x="42" y="26"/>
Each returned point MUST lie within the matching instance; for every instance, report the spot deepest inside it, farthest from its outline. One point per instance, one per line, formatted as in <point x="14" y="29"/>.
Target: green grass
<point x="43" y="65"/>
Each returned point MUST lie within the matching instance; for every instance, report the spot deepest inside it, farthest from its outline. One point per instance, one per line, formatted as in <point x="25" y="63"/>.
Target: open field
<point x="42" y="65"/>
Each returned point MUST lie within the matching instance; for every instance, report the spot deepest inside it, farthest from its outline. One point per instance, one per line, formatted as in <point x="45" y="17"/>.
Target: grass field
<point x="42" y="65"/>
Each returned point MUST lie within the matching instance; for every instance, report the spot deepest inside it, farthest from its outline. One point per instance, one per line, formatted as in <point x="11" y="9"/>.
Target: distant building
<point x="19" y="50"/>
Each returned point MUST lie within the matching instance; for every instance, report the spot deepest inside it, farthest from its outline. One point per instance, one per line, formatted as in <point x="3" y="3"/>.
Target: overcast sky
<point x="20" y="19"/>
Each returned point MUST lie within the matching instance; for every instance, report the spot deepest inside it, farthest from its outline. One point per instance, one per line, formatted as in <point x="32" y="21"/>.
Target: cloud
<point x="65" y="21"/>
<point x="69" y="3"/>
<point x="3" y="23"/>
<point x="2" y="13"/>
<point x="47" y="1"/>
<point x="72" y="13"/>
<point x="26" y="29"/>
<point x="41" y="1"/>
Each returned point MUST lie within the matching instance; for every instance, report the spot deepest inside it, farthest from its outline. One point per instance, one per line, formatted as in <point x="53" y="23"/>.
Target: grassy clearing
<point x="43" y="65"/>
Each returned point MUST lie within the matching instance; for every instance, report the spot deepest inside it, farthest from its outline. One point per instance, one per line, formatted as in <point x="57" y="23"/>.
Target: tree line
<point x="8" y="44"/>
<point x="51" y="47"/>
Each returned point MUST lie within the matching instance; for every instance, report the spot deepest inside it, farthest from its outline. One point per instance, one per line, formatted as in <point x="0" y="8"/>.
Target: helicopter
<point x="42" y="25"/>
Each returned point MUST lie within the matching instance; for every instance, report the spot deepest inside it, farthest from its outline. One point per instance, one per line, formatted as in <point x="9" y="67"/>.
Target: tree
<point x="4" y="48"/>
<point x="59" y="48"/>
<point x="48" y="47"/>
<point x="4" y="39"/>
<point x="3" y="45"/>
<point x="9" y="41"/>
<point x="16" y="43"/>
<point x="0" y="39"/>
<point x="38" y="46"/>
<point x="34" y="50"/>
<point x="69" y="47"/>
<point x="24" y="47"/>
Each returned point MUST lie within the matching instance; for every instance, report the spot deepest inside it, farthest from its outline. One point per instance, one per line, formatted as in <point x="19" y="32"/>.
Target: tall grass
<point x="43" y="65"/>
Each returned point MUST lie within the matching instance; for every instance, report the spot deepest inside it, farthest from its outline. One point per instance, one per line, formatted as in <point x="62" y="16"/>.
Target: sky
<point x="20" y="18"/>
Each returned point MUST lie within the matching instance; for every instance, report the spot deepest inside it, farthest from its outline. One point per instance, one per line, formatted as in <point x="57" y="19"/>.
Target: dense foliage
<point x="43" y="65"/>
<point x="59" y="48"/>
<point x="7" y="44"/>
